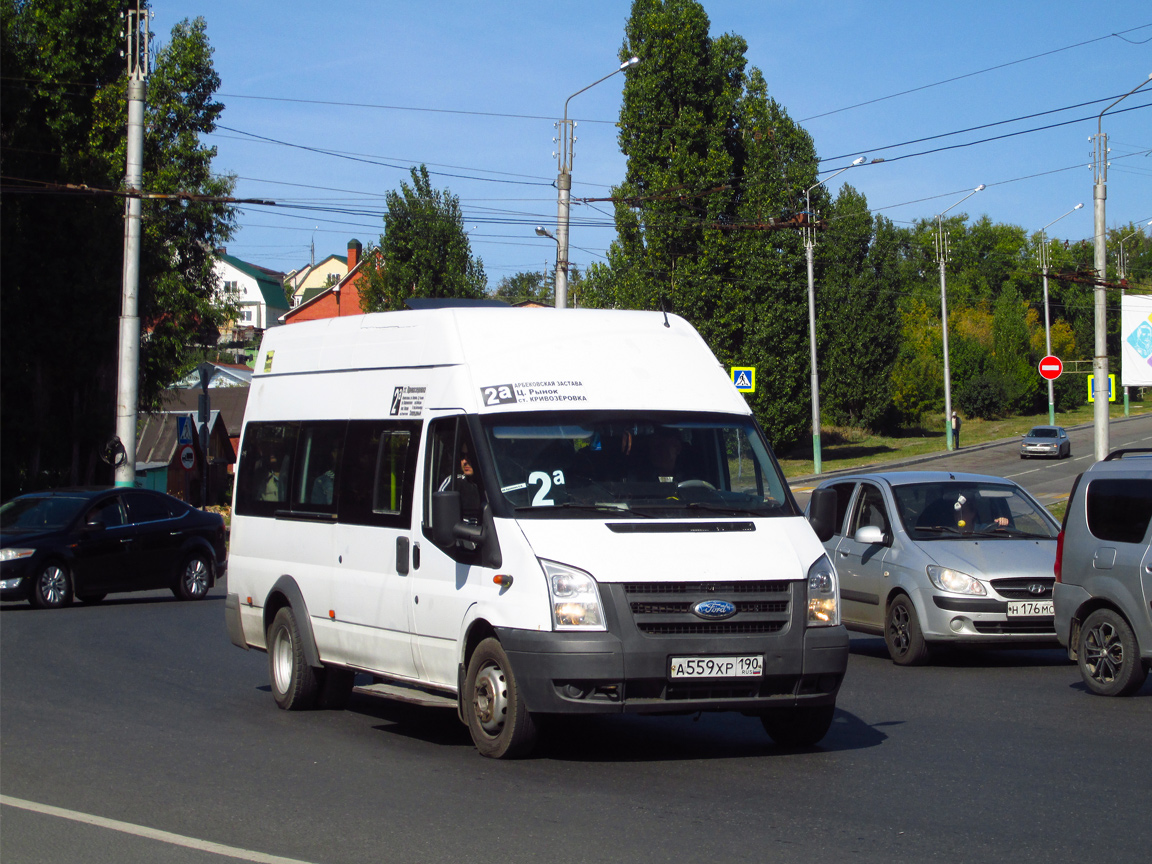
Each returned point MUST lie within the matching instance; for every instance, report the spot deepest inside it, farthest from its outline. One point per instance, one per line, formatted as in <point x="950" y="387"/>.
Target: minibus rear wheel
<point x="294" y="683"/>
<point x="497" y="717"/>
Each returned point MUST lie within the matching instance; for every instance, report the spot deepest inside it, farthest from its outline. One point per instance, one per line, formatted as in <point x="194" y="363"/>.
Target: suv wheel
<point x="1108" y="655"/>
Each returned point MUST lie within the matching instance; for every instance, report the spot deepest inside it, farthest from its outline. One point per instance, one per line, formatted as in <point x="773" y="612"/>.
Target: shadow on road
<point x="625" y="738"/>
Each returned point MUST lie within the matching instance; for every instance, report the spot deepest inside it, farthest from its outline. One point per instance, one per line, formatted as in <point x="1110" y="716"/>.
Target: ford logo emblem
<point x="714" y="610"/>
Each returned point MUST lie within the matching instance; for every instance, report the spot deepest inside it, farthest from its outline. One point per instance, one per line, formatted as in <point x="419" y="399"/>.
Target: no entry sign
<point x="1051" y="367"/>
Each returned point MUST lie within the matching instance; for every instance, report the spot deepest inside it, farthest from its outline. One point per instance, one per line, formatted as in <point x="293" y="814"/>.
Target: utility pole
<point x="1100" y="360"/>
<point x="1044" y="261"/>
<point x="127" y="388"/>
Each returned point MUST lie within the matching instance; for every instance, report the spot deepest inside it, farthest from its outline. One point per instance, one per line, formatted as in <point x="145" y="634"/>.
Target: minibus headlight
<point x="823" y="596"/>
<point x="575" y="598"/>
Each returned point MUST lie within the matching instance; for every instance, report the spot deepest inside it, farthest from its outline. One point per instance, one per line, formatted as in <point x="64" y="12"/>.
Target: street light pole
<point x="1100" y="360"/>
<point x="1047" y="329"/>
<point x="809" y="244"/>
<point x="564" y="187"/>
<point x="942" y="258"/>
<point x="1124" y="275"/>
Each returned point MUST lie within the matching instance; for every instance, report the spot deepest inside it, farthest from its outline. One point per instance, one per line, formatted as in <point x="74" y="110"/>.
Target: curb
<point x="930" y="457"/>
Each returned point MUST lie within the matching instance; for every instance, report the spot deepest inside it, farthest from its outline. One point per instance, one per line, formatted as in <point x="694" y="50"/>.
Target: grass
<point x="842" y="448"/>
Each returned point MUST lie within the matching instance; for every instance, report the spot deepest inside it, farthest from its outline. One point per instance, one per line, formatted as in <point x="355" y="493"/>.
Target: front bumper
<point x="980" y="620"/>
<point x="625" y="670"/>
<point x="1040" y="450"/>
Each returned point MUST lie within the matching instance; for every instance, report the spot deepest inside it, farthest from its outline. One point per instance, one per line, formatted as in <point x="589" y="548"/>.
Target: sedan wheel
<point x="195" y="577"/>
<point x="53" y="588"/>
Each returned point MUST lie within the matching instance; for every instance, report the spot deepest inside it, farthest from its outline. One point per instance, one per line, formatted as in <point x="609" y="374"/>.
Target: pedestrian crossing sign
<point x="744" y="377"/>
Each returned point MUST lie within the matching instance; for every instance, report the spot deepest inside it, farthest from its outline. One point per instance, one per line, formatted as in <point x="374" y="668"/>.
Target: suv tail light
<point x="1059" y="556"/>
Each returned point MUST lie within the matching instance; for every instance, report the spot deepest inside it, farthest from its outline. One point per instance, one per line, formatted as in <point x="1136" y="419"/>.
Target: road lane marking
<point x="1022" y="473"/>
<point x="150" y="833"/>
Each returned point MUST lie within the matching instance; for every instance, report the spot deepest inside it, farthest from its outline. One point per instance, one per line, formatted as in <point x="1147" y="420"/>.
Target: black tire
<point x="194" y="578"/>
<point x="902" y="633"/>
<point x="52" y="588"/>
<point x="295" y="685"/>
<point x="91" y="599"/>
<point x="803" y="726"/>
<point x="1108" y="655"/>
<point x="495" y="712"/>
<point x="336" y="684"/>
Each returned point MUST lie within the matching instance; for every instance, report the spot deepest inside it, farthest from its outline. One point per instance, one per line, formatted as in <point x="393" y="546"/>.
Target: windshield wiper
<point x="939" y="529"/>
<point x="623" y="512"/>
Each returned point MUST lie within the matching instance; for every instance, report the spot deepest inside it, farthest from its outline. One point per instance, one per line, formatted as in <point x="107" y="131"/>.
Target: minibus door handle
<point x="402" y="556"/>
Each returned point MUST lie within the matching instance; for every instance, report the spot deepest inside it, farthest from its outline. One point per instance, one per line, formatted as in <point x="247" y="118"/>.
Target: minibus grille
<point x="665" y="608"/>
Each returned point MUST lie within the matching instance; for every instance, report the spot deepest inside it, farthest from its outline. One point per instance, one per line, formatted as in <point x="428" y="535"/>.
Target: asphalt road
<point x="156" y="740"/>
<point x="1050" y="480"/>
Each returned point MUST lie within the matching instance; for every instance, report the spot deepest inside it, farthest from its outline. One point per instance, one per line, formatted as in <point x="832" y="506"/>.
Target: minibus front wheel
<point x="497" y="717"/>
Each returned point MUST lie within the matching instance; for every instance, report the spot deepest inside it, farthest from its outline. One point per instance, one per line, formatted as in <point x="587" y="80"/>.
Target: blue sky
<point x="473" y="90"/>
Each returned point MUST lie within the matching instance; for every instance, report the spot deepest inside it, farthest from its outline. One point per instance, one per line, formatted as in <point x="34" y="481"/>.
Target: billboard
<point x="1136" y="340"/>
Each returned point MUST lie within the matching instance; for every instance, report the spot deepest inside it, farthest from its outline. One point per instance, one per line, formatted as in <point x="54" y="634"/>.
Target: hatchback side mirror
<point x="870" y="534"/>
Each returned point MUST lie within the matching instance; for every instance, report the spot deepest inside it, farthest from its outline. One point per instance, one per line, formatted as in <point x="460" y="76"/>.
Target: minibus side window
<point x="315" y="480"/>
<point x="379" y="473"/>
<point x="452" y="466"/>
<point x="262" y="482"/>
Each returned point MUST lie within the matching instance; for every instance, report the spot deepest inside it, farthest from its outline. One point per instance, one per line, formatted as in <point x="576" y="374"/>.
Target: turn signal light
<point x="502" y="579"/>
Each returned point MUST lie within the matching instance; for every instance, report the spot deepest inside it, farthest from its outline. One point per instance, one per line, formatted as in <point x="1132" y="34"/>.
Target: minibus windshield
<point x="595" y="464"/>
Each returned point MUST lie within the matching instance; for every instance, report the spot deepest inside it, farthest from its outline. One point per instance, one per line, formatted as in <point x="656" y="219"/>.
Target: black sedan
<point x="88" y="543"/>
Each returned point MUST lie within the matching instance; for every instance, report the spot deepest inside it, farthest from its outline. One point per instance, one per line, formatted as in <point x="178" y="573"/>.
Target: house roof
<point x="229" y="401"/>
<point x="158" y="439"/>
<point x="270" y="282"/>
<point x="225" y="375"/>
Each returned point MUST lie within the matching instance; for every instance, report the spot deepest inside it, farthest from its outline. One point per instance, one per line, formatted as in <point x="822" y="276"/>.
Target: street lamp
<point x="1124" y="275"/>
<point x="942" y="258"/>
<point x="1047" y="328"/>
<point x="1100" y="360"/>
<point x="564" y="187"/>
<point x="809" y="243"/>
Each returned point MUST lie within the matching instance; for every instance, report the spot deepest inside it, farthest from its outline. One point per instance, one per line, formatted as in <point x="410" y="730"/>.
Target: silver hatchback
<point x="936" y="557"/>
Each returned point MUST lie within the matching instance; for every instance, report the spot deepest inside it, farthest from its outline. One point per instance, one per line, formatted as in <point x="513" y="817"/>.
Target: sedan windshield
<point x="40" y="514"/>
<point x="589" y="465"/>
<point x="1041" y="432"/>
<point x="952" y="509"/>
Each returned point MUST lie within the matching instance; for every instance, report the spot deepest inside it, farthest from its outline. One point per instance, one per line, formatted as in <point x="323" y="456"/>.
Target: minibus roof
<point x="544" y="358"/>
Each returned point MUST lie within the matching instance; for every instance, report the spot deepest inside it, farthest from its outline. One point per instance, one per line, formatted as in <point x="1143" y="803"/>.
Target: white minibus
<point x="524" y="512"/>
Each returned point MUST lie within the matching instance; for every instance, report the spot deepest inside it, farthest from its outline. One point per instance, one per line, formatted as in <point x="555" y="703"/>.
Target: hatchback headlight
<point x="575" y="598"/>
<point x="947" y="579"/>
<point x="11" y="554"/>
<point x="823" y="596"/>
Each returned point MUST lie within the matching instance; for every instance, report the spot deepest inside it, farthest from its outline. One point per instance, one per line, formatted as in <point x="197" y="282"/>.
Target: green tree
<point x="62" y="130"/>
<point x="858" y="312"/>
<point x="712" y="161"/>
<point x="424" y="251"/>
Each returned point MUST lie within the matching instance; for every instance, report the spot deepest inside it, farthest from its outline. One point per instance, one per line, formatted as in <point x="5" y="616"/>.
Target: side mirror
<point x="94" y="525"/>
<point x="445" y="518"/>
<point x="822" y="513"/>
<point x="869" y="534"/>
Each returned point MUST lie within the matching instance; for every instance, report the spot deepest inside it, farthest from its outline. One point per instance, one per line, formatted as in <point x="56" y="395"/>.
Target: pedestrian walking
<point x="956" y="429"/>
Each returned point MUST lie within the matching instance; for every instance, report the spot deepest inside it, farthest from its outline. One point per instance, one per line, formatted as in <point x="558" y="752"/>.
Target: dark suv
<point x="1103" y="587"/>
